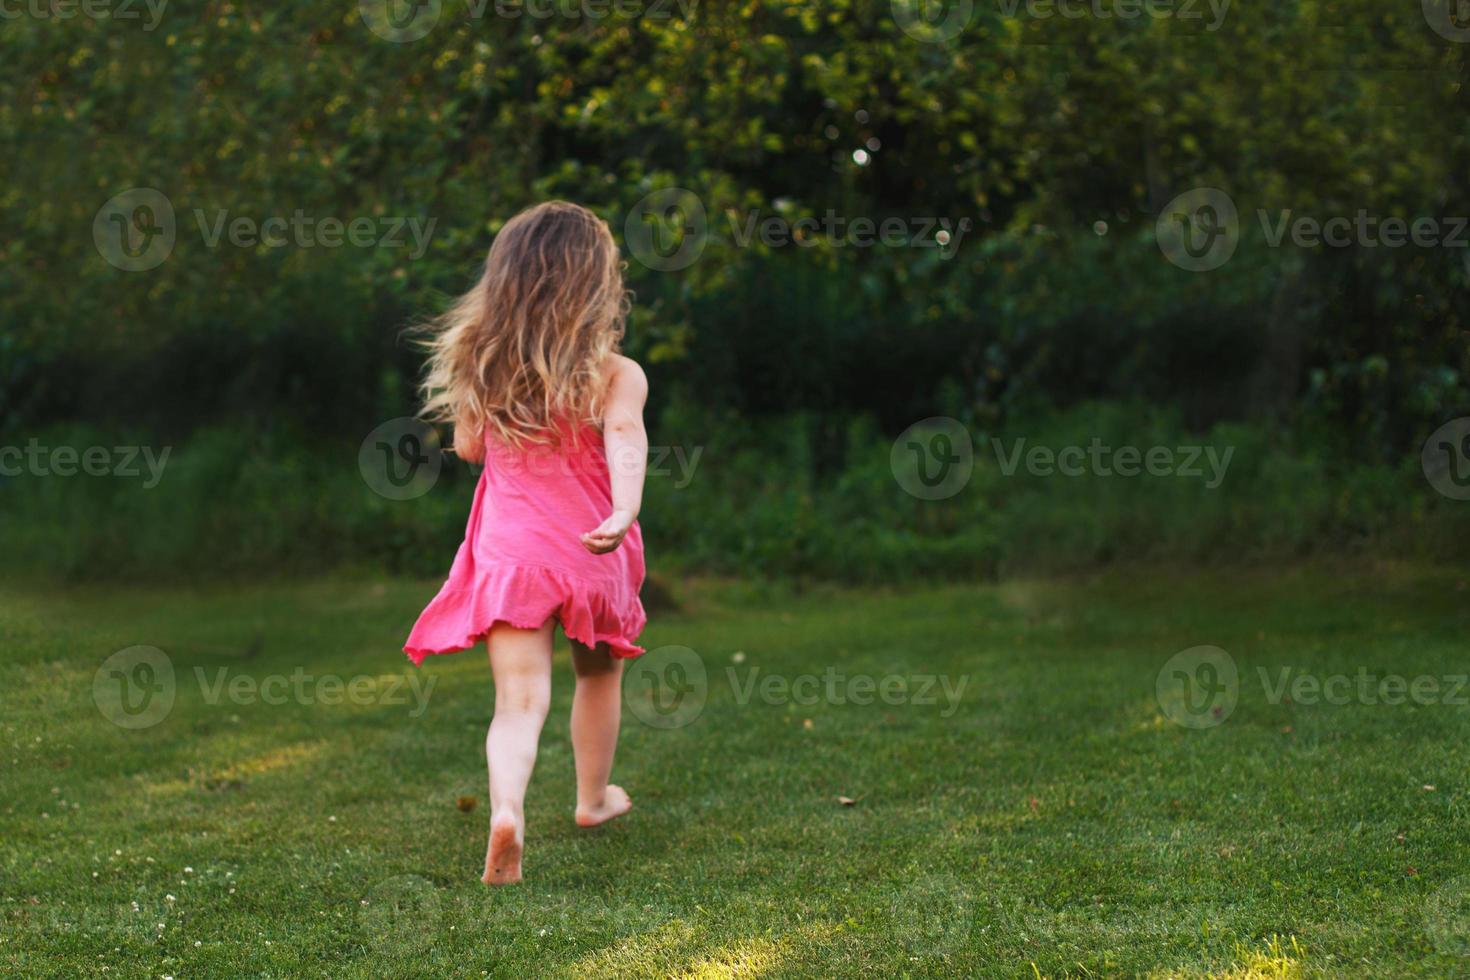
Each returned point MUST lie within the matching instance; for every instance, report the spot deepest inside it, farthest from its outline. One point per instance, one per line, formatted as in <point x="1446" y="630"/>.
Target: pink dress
<point x="523" y="562"/>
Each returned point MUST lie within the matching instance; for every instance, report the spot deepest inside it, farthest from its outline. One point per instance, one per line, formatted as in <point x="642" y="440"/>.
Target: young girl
<point x="526" y="366"/>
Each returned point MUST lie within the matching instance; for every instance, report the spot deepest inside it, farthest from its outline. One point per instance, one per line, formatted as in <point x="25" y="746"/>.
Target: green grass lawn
<point x="1051" y="822"/>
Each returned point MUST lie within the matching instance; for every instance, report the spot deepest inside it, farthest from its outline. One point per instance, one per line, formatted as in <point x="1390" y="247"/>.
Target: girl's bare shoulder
<point x="624" y="376"/>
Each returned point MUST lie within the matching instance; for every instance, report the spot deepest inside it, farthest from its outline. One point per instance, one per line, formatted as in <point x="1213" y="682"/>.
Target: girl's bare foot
<point x="503" y="856"/>
<point x="614" y="803"/>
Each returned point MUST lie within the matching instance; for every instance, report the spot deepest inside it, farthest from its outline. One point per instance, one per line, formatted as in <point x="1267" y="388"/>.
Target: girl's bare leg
<point x="521" y="662"/>
<point x="596" y="713"/>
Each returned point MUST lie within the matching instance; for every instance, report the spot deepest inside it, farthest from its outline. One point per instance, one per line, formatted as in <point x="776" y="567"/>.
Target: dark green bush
<point x="755" y="503"/>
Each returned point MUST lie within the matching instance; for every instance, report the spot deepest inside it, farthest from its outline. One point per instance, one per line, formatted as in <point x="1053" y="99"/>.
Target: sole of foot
<point x="503" y="857"/>
<point x="615" y="803"/>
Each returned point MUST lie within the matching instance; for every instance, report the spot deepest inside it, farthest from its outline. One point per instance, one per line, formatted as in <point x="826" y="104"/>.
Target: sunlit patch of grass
<point x="1276" y="958"/>
<point x="652" y="953"/>
<point x="748" y="958"/>
<point x="277" y="759"/>
<point x="681" y="949"/>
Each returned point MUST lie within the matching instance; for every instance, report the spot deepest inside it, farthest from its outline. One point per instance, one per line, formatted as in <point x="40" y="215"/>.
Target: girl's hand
<point x="469" y="445"/>
<point x="609" y="534"/>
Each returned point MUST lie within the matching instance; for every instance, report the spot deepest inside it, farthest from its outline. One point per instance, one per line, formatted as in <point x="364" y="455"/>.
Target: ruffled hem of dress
<point x="525" y="597"/>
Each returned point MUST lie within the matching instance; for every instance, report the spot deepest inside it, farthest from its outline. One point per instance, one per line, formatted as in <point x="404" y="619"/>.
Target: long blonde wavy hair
<point x="524" y="350"/>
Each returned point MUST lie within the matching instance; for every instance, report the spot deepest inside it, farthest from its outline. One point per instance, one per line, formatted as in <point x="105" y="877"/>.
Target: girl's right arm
<point x="625" y="442"/>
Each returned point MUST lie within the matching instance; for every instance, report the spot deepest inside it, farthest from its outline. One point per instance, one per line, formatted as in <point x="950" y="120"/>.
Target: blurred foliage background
<point x="1056" y="317"/>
